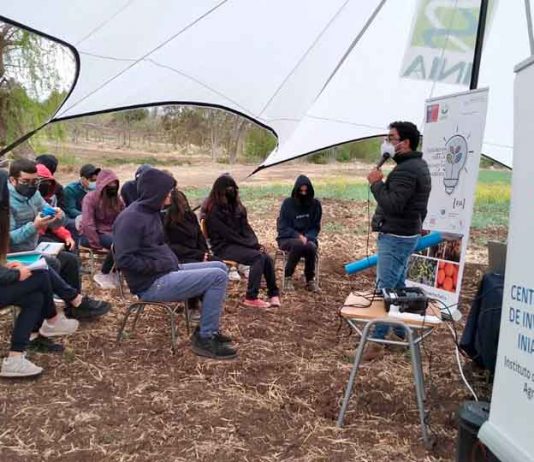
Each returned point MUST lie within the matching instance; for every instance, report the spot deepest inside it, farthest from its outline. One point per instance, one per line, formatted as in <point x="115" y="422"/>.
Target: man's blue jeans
<point x="393" y="255"/>
<point x="205" y="279"/>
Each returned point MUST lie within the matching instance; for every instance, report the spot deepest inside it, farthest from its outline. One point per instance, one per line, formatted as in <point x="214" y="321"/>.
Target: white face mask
<point x="91" y="186"/>
<point x="387" y="147"/>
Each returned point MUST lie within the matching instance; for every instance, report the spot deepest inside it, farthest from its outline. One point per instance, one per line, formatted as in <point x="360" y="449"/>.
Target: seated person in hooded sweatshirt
<point x="298" y="227"/>
<point x="47" y="188"/>
<point x="27" y="220"/>
<point x="100" y="208"/>
<point x="129" y="189"/>
<point x="51" y="163"/>
<point x="152" y="270"/>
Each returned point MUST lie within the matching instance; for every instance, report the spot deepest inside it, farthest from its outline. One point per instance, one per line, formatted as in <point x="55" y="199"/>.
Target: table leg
<point x="353" y="372"/>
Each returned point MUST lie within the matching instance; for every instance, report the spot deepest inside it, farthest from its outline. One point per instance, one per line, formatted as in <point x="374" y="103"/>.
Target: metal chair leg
<point x="187" y="316"/>
<point x="173" y="330"/>
<point x="353" y="373"/>
<point x="139" y="309"/>
<point x="317" y="267"/>
<point x="123" y="324"/>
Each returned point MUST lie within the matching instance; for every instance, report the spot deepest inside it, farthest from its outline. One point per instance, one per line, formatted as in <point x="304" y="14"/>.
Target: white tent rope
<point x="443" y="48"/>
<point x="110" y="58"/>
<point x="352" y="45"/>
<point x="199" y="82"/>
<point x="306" y="53"/>
<point x="165" y="42"/>
<point x="104" y="23"/>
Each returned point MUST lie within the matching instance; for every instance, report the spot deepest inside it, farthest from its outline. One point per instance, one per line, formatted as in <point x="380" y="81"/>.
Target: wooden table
<point x="362" y="314"/>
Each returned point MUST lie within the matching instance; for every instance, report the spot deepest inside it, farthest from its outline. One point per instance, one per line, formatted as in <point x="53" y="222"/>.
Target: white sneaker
<point x="233" y="275"/>
<point x="115" y="278"/>
<point x="19" y="366"/>
<point x="63" y="326"/>
<point x="244" y="270"/>
<point x="105" y="281"/>
<point x="59" y="302"/>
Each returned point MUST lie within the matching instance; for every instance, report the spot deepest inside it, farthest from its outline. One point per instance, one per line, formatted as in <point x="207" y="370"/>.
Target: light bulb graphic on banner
<point x="456" y="156"/>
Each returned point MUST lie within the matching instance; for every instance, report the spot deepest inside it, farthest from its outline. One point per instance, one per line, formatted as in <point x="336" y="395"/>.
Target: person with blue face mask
<point x="76" y="191"/>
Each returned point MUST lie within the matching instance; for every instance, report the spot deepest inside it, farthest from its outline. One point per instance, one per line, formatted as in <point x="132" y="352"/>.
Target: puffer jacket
<point x="22" y="232"/>
<point x="402" y="199"/>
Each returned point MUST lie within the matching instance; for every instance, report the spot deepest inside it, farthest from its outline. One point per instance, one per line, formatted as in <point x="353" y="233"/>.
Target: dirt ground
<point x="277" y="402"/>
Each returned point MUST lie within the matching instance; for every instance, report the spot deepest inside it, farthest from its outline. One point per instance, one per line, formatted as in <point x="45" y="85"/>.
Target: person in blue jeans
<point x="153" y="272"/>
<point x="402" y="201"/>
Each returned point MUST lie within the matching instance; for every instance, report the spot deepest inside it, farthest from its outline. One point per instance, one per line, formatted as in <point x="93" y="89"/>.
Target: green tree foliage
<point x="364" y="150"/>
<point x="31" y="88"/>
<point x="259" y="143"/>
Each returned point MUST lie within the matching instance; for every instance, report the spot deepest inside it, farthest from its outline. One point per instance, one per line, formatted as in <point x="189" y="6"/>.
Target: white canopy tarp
<point x="317" y="73"/>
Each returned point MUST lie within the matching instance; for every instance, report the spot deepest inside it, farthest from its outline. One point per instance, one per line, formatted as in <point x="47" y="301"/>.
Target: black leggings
<point x="34" y="297"/>
<point x="298" y="250"/>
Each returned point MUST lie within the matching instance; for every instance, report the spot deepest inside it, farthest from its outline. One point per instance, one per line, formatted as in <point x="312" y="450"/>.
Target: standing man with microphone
<point x="401" y="209"/>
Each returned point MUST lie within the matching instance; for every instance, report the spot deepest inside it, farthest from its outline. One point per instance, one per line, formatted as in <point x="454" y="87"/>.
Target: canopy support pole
<point x="479" y="43"/>
<point x="529" y="27"/>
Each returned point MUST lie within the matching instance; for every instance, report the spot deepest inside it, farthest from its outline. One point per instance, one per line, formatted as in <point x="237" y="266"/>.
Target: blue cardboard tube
<point x="430" y="240"/>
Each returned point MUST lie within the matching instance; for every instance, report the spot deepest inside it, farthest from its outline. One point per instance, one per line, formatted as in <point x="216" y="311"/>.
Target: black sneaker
<point x="211" y="347"/>
<point x="218" y="335"/>
<point x="42" y="344"/>
<point x="223" y="338"/>
<point x="88" y="309"/>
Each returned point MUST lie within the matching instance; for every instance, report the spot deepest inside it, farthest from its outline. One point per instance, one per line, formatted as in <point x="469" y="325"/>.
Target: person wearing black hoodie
<point x="153" y="271"/>
<point x="232" y="238"/>
<point x="299" y="224"/>
<point x="129" y="189"/>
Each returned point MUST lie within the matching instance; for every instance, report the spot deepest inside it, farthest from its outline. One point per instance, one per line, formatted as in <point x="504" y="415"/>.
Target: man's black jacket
<point x="402" y="199"/>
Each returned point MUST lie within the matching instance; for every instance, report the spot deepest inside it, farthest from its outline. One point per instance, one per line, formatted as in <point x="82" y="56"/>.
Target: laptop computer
<point x="496" y="257"/>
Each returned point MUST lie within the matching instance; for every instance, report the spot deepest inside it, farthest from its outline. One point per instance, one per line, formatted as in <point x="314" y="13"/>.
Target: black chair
<point x="138" y="306"/>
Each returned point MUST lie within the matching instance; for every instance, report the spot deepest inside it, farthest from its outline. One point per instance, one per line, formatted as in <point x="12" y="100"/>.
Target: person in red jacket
<point x="100" y="208"/>
<point x="47" y="188"/>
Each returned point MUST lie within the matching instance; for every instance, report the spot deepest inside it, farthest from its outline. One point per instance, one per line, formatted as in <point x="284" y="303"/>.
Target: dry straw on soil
<point x="277" y="401"/>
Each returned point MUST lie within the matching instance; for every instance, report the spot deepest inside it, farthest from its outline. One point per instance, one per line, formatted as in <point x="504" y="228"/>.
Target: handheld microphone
<point x="383" y="159"/>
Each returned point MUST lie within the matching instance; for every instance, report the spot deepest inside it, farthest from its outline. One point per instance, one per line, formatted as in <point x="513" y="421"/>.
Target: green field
<point x="491" y="205"/>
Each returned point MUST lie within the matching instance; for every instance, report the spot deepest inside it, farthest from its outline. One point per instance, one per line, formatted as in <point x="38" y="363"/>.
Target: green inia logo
<point x="447" y="24"/>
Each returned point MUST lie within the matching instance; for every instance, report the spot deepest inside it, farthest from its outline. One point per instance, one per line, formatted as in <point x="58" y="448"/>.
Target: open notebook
<point x="50" y="248"/>
<point x="33" y="260"/>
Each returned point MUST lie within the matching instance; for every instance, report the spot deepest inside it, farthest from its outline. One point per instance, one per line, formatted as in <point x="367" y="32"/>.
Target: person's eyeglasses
<point x="392" y="138"/>
<point x="33" y="182"/>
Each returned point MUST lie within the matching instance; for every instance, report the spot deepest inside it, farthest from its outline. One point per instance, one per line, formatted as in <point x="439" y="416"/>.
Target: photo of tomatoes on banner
<point x="447" y="276"/>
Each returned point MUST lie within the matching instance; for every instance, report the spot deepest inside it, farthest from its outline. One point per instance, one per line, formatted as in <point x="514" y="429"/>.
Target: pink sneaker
<point x="256" y="303"/>
<point x="275" y="301"/>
